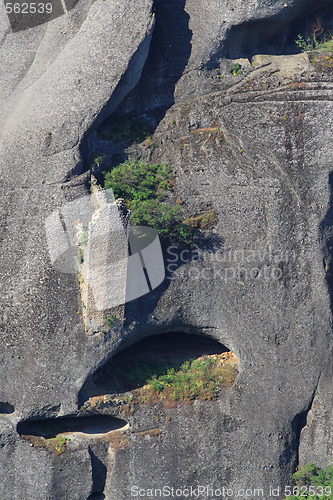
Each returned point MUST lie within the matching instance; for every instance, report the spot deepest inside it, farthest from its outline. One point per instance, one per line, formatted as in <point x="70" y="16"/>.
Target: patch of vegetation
<point x="138" y="181"/>
<point x="319" y="45"/>
<point x="56" y="445"/>
<point x="95" y="160"/>
<point x="83" y="240"/>
<point x="80" y="255"/>
<point x="297" y="85"/>
<point x="84" y="237"/>
<point x="153" y="433"/>
<point x="236" y="69"/>
<point x="212" y="132"/>
<point x="149" y="143"/>
<point x="324" y="61"/>
<point x="206" y="130"/>
<point x="125" y="129"/>
<point x="143" y="188"/>
<point x="172" y="383"/>
<point x="313" y="482"/>
<point x="202" y="221"/>
<point x="110" y="320"/>
<point x="314" y="44"/>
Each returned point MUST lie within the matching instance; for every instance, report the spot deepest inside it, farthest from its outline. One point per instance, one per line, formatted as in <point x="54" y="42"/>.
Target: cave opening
<point x="276" y="35"/>
<point x="96" y="496"/>
<point x="149" y="358"/>
<point x="6" y="408"/>
<point x="51" y="427"/>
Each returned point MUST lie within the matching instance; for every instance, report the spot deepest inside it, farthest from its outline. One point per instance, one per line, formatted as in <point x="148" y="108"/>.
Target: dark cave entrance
<point x="6" y="408"/>
<point x="49" y="428"/>
<point x="276" y="35"/>
<point x="127" y="369"/>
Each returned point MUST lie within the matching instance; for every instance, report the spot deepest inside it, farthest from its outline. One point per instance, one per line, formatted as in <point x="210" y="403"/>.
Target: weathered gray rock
<point x="263" y="294"/>
<point x="28" y="471"/>
<point x="65" y="76"/>
<point x="257" y="148"/>
<point x="193" y="37"/>
<point x="316" y="438"/>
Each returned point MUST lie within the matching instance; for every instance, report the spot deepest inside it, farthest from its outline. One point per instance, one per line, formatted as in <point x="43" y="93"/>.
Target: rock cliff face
<point x="256" y="147"/>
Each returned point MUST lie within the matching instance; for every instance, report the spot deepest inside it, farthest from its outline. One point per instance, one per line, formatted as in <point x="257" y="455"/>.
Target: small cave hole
<point x="6" y="408"/>
<point x="50" y="428"/>
<point x="96" y="496"/>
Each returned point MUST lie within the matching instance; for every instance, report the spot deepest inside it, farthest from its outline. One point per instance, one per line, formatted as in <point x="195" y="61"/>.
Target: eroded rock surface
<point x="255" y="147"/>
<point x="63" y="77"/>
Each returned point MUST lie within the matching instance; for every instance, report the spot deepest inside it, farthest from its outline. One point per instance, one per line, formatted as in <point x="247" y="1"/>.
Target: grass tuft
<point x="202" y="221"/>
<point x="56" y="445"/>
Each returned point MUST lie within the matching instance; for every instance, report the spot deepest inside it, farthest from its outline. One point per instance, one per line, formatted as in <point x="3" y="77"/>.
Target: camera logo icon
<point x="92" y="236"/>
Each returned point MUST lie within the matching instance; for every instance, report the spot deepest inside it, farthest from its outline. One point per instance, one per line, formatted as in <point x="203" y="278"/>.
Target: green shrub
<point x="313" y="482"/>
<point x="110" y="320"/>
<point x="305" y="44"/>
<point x="165" y="219"/>
<point x="84" y="237"/>
<point x="236" y="69"/>
<point x="56" y="445"/>
<point x="319" y="46"/>
<point x="135" y="180"/>
<point x="143" y="188"/>
<point x="313" y="44"/>
<point x="95" y="160"/>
